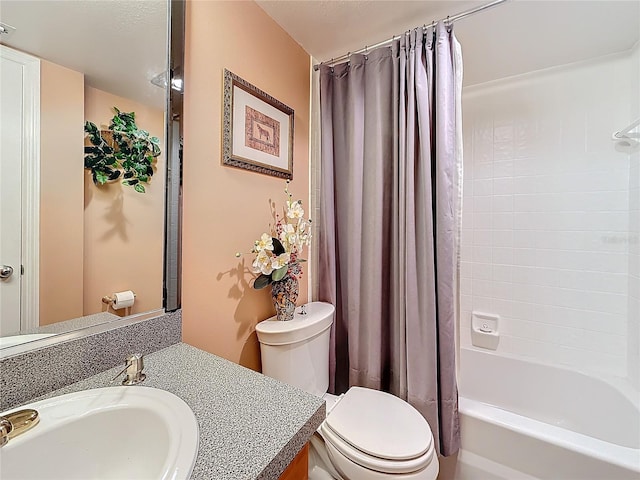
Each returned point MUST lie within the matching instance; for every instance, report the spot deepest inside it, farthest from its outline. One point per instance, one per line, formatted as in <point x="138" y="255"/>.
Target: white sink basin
<point x="108" y="433"/>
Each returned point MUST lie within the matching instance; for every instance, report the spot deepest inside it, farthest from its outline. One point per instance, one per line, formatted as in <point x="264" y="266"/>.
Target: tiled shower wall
<point x="634" y="233"/>
<point x="545" y="239"/>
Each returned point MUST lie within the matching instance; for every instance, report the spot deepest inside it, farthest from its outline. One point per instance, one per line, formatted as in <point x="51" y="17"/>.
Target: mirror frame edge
<point x="172" y="287"/>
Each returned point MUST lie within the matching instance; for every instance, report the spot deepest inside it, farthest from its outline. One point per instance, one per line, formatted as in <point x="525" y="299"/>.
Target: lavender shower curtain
<point x="389" y="220"/>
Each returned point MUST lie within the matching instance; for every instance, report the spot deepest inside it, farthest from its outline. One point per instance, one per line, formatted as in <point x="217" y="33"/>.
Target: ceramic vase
<point x="285" y="294"/>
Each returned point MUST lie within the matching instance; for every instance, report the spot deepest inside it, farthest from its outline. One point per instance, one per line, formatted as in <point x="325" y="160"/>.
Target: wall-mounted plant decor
<point x="123" y="150"/>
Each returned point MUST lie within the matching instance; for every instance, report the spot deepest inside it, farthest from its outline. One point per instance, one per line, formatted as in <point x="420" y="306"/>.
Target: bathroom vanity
<point x="250" y="426"/>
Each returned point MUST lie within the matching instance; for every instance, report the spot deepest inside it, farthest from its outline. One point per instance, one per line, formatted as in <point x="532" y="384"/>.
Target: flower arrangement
<point x="278" y="252"/>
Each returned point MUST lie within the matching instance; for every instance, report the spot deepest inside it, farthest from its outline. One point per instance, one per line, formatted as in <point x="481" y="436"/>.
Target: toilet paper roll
<point x="123" y="299"/>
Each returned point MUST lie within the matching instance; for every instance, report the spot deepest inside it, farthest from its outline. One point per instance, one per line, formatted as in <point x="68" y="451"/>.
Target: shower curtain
<point x="389" y="221"/>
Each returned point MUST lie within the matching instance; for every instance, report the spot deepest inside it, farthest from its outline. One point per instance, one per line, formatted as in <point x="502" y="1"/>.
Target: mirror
<point x="77" y="241"/>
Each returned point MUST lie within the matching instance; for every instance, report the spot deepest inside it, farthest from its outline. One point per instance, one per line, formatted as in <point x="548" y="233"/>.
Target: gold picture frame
<point x="257" y="129"/>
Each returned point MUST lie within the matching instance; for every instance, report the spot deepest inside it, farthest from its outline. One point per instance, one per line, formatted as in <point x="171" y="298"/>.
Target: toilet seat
<point x="379" y="431"/>
<point x="375" y="463"/>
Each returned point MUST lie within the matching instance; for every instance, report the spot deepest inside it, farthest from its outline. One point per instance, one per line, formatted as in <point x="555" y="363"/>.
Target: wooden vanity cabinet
<point x="298" y="469"/>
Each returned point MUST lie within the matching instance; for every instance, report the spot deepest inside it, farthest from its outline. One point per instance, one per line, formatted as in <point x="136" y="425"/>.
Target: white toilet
<point x="367" y="434"/>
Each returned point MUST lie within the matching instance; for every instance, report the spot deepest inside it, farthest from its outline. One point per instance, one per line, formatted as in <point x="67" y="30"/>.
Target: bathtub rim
<point x="620" y="456"/>
<point x="622" y="385"/>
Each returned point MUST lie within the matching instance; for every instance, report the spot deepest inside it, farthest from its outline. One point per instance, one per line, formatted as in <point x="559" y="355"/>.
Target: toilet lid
<point x="380" y="424"/>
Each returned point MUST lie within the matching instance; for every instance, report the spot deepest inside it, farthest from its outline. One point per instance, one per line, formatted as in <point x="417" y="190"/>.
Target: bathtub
<point x="524" y="420"/>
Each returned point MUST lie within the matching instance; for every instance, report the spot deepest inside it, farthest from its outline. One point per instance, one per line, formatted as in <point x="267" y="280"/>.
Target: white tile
<point x="483" y="187"/>
<point x="556" y="217"/>
<point x="504" y="185"/>
<point x="482" y="271"/>
<point x="502" y="273"/>
<point x="482" y="237"/>
<point x="524" y="257"/>
<point x="502" y="221"/>
<point x="482" y="221"/>
<point x="502" y="255"/>
<point x="502" y="238"/>
<point x="502" y="203"/>
<point x="503" y="168"/>
<point x="482" y="254"/>
<point x="482" y="204"/>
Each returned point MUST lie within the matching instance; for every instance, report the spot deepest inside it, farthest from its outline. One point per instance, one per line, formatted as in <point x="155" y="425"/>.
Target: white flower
<point x="280" y="261"/>
<point x="294" y="209"/>
<point x="262" y="263"/>
<point x="288" y="236"/>
<point x="265" y="243"/>
<point x="304" y="233"/>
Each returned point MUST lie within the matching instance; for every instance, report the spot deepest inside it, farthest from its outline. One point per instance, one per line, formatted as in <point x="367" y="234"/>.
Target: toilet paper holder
<point x="108" y="300"/>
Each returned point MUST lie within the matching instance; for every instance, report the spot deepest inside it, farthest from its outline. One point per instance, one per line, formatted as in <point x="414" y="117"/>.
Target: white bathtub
<point x="521" y="419"/>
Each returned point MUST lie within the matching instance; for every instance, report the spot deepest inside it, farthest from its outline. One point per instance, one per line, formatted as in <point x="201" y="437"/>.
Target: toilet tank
<point x="297" y="351"/>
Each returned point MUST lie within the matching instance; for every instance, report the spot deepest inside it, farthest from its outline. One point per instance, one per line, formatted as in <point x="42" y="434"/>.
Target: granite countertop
<point x="251" y="426"/>
<point x="76" y="323"/>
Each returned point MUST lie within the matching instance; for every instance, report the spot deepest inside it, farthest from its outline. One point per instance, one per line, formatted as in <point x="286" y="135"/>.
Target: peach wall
<point x="123" y="229"/>
<point x="61" y="192"/>
<point x="226" y="209"/>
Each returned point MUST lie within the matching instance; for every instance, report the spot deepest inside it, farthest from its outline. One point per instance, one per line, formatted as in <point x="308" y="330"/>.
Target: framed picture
<point x="257" y="129"/>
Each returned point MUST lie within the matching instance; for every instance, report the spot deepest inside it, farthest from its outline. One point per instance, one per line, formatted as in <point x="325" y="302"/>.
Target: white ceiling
<point x="509" y="39"/>
<point x="119" y="45"/>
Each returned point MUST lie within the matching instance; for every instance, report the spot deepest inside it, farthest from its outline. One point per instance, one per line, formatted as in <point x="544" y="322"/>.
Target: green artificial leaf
<point x="90" y="161"/>
<point x="279" y="274"/>
<point x="129" y="156"/>
<point x="262" y="281"/>
<point x="278" y="249"/>
<point x="100" y="177"/>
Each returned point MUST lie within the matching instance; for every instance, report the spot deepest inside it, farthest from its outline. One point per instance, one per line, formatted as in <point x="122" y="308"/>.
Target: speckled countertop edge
<point x="76" y="323"/>
<point x="251" y="426"/>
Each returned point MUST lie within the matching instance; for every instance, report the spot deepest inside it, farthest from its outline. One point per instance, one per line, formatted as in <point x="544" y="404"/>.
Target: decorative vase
<point x="285" y="294"/>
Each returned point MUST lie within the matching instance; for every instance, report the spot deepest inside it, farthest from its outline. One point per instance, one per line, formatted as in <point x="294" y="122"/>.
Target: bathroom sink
<point x="106" y="433"/>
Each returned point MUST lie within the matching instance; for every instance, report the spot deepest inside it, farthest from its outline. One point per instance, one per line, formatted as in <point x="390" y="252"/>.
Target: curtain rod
<point x="449" y="20"/>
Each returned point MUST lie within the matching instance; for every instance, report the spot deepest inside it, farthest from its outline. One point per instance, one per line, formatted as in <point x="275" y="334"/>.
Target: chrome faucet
<point x="133" y="367"/>
<point x="16" y="423"/>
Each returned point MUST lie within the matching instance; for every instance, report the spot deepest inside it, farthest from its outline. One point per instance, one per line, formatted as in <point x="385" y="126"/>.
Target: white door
<point x="19" y="189"/>
<point x="10" y="194"/>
